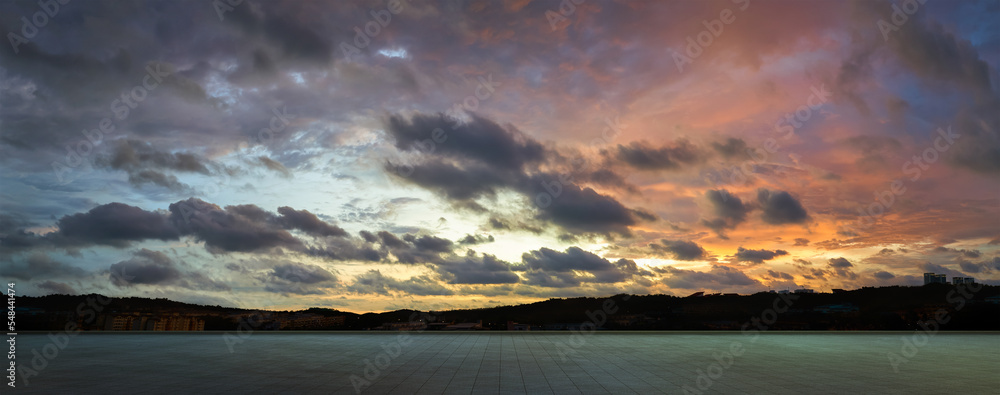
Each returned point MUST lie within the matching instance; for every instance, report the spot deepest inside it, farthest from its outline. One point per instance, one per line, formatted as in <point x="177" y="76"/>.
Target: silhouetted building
<point x="963" y="280"/>
<point x="804" y="291"/>
<point x="931" y="278"/>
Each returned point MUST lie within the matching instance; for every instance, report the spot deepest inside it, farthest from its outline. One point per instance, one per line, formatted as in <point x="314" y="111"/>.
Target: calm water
<point x="478" y="362"/>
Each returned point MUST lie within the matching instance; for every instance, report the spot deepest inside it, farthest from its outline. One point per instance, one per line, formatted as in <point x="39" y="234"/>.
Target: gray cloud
<point x="716" y="277"/>
<point x="643" y="156"/>
<point x="728" y="209"/>
<point x="148" y="267"/>
<point x="680" y="249"/>
<point x="779" y="207"/>
<point x="374" y="282"/>
<point x="732" y="148"/>
<point x="40" y="265"/>
<point x="307" y="222"/>
<point x="884" y="275"/>
<point x="472" y="269"/>
<point x="757" y="256"/>
<point x="235" y="228"/>
<point x="550" y="268"/>
<point x="114" y="224"/>
<point x="57" y="287"/>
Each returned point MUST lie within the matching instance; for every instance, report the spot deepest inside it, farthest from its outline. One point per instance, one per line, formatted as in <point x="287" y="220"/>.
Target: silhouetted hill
<point x="884" y="308"/>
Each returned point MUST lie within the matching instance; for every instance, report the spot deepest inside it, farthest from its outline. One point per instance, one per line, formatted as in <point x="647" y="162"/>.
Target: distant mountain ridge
<point x="883" y="308"/>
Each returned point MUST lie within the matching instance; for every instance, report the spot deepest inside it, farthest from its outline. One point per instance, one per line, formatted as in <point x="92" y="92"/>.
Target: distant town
<point x="968" y="306"/>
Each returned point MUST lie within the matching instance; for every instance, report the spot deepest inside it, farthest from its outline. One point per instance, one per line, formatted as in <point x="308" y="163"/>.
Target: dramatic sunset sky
<point x="370" y="156"/>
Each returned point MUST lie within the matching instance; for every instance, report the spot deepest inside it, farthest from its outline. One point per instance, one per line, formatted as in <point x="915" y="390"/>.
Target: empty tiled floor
<point x="493" y="363"/>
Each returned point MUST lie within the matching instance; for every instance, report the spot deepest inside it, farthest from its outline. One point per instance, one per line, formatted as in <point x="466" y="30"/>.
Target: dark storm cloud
<point x="40" y="265"/>
<point x="145" y="164"/>
<point x="307" y="222"/>
<point x="10" y="223"/>
<point x="946" y="63"/>
<point x="374" y="282"/>
<point x="342" y="249"/>
<point x="148" y="267"/>
<point x="608" y="178"/>
<point x="964" y="252"/>
<point x="281" y="27"/>
<point x="582" y="209"/>
<point x="302" y="273"/>
<point x="550" y="268"/>
<point x="733" y="147"/>
<point x="473" y="269"/>
<point x="842" y="268"/>
<point x="986" y="266"/>
<point x="717" y="277"/>
<point x="90" y="54"/>
<point x="154" y="177"/>
<point x="368" y="237"/>
<point x="927" y="49"/>
<point x="884" y="275"/>
<point x="432" y="243"/>
<point x="979" y="147"/>
<point x="643" y="156"/>
<point x="757" y="256"/>
<point x="476" y="239"/>
<point x="239" y="228"/>
<point x="294" y="278"/>
<point x="840" y="263"/>
<point x="728" y="209"/>
<point x="390" y="240"/>
<point x="464" y="161"/>
<point x="114" y="224"/>
<point x="57" y="287"/>
<point x="461" y="183"/>
<point x="479" y="139"/>
<point x="780" y="275"/>
<point x="410" y="249"/>
<point x="680" y="249"/>
<point x="229" y="229"/>
<point x="780" y="207"/>
<point x="132" y="155"/>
